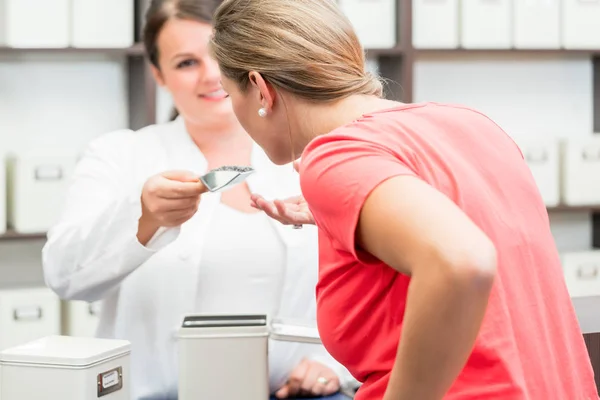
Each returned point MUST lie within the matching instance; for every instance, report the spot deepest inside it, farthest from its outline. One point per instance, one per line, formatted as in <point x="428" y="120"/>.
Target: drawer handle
<point x="94" y="308"/>
<point x="27" y="314"/>
<point x="587" y="271"/>
<point x="537" y="156"/>
<point x="48" y="173"/>
<point x="591" y="154"/>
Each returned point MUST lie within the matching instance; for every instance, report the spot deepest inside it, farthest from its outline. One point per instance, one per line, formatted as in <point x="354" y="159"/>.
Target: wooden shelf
<point x="565" y="52"/>
<point x="393" y="51"/>
<point x="12" y="235"/>
<point x="564" y="208"/>
<point x="135" y="50"/>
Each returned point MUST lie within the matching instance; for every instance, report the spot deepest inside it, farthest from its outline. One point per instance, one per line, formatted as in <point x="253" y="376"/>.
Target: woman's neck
<point x="311" y="120"/>
<point x="215" y="138"/>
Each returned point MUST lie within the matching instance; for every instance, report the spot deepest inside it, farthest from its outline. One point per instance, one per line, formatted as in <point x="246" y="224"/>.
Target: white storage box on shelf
<point x="34" y="23"/>
<point x="543" y="159"/>
<point x="80" y="318"/>
<point x="236" y="346"/>
<point x="37" y="183"/>
<point x="536" y="24"/>
<point x="3" y="210"/>
<point x="486" y="24"/>
<point x="27" y="314"/>
<point x="582" y="272"/>
<point x="435" y="24"/>
<point x="102" y="23"/>
<point x="66" y="368"/>
<point x="580" y="24"/>
<point x="374" y="21"/>
<point x="580" y="171"/>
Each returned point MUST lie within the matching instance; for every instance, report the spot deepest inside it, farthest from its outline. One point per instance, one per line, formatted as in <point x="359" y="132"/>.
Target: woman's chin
<point x="219" y="111"/>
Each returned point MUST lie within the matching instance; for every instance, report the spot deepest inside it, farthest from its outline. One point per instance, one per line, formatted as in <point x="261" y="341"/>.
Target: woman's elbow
<point x="55" y="282"/>
<point x="478" y="267"/>
<point x="55" y="276"/>
<point x="475" y="268"/>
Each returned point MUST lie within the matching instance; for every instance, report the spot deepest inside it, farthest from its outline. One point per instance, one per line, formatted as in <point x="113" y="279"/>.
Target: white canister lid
<point x="66" y="351"/>
<point x="294" y="331"/>
<point x="221" y="326"/>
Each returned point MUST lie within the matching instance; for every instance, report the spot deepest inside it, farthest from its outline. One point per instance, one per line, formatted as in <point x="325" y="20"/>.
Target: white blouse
<point x="248" y="280"/>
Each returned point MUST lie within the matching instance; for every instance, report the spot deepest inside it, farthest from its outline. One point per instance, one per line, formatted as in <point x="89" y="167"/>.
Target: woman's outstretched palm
<point x="291" y="211"/>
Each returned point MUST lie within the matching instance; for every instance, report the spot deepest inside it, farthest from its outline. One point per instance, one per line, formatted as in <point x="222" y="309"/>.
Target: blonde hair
<point x="306" y="47"/>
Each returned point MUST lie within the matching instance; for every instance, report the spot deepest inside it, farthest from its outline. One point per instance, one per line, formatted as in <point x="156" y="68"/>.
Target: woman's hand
<point x="291" y="211"/>
<point x="168" y="199"/>
<point x="310" y="378"/>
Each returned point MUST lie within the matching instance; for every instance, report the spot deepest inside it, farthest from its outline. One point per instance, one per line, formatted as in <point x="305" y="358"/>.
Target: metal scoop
<point x="225" y="177"/>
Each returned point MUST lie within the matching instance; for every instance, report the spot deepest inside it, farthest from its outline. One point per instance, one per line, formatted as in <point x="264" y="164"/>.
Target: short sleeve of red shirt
<point x="338" y="172"/>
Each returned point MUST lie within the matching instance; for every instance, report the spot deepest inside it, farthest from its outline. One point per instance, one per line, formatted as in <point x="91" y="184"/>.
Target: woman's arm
<point x="374" y="199"/>
<point x="419" y="232"/>
<point x="94" y="245"/>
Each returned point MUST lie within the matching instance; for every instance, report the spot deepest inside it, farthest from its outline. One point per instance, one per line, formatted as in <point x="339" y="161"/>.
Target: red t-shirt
<point x="530" y="346"/>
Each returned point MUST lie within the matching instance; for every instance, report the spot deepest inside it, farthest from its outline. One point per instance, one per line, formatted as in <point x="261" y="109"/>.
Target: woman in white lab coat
<point x="138" y="235"/>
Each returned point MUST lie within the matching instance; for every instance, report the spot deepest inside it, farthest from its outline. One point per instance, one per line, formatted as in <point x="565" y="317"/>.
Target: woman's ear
<point x="263" y="90"/>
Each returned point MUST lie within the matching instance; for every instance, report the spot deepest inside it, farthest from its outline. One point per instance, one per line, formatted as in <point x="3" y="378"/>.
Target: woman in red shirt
<point x="439" y="276"/>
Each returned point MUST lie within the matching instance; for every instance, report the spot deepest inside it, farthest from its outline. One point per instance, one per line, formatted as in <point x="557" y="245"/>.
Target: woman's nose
<point x="211" y="72"/>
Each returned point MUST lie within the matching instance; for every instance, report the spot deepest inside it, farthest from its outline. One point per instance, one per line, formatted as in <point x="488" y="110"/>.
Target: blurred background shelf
<point x="135" y="50"/>
<point x="511" y="51"/>
<point x="564" y="208"/>
<point x="12" y="235"/>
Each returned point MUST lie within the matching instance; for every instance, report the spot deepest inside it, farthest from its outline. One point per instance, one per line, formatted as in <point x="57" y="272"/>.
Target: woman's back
<point x="530" y="345"/>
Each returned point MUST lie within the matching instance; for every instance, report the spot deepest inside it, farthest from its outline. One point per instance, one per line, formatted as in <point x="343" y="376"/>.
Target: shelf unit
<point x="396" y="65"/>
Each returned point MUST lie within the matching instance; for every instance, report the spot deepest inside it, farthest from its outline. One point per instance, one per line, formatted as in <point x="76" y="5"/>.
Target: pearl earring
<point x="262" y="112"/>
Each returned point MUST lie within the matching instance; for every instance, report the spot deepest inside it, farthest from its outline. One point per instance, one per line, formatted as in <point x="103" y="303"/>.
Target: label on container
<point x="110" y="381"/>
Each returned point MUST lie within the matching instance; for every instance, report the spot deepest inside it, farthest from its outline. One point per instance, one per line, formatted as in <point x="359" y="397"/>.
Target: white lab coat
<point x="92" y="253"/>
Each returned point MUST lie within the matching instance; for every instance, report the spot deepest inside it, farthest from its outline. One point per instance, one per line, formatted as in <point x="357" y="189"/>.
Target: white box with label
<point x="80" y="318"/>
<point x="543" y="159"/>
<point x="536" y="24"/>
<point x="582" y="272"/>
<point x="103" y="23"/>
<point x="580" y="171"/>
<point x="66" y="368"/>
<point x="486" y="24"/>
<point x="374" y="21"/>
<point x="435" y="24"/>
<point x="34" y="23"/>
<point x="37" y="184"/>
<point x="27" y="314"/>
<point x="581" y="24"/>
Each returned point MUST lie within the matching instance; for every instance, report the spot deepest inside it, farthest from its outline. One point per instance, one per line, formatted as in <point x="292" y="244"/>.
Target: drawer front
<point x="582" y="273"/>
<point x="536" y="24"/>
<point x="103" y="23"/>
<point x="581" y="29"/>
<point x="435" y="24"/>
<point x="374" y="21"/>
<point x="28" y="314"/>
<point x="581" y="169"/>
<point x="486" y="24"/>
<point x="80" y="318"/>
